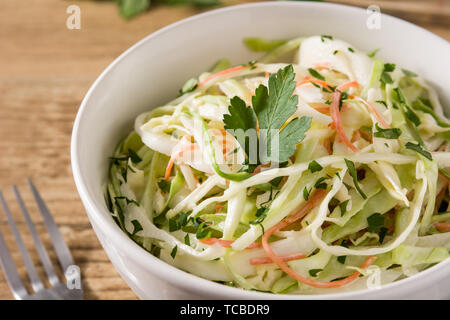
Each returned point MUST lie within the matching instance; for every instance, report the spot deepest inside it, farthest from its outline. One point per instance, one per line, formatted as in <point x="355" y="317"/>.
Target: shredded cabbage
<point x="365" y="192"/>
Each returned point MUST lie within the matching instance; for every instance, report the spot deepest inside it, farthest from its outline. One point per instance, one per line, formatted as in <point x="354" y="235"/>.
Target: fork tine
<point x="62" y="251"/>
<point x="32" y="274"/>
<point x="52" y="277"/>
<point x="10" y="272"/>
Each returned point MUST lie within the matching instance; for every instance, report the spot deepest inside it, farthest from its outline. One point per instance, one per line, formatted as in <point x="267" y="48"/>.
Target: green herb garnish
<point x="352" y="171"/>
<point x="314" y="272"/>
<point x="174" y="252"/>
<point x="314" y="166"/>
<point x="375" y="221"/>
<point x="164" y="185"/>
<point x="392" y="133"/>
<point x="323" y="37"/>
<point x="272" y="107"/>
<point x="136" y="226"/>
<point x="419" y="149"/>
<point x="316" y="74"/>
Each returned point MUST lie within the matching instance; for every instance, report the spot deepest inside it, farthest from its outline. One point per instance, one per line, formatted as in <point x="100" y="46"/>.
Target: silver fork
<point x="59" y="290"/>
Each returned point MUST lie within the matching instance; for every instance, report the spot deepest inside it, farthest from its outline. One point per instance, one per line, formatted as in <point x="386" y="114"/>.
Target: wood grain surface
<point x="45" y="70"/>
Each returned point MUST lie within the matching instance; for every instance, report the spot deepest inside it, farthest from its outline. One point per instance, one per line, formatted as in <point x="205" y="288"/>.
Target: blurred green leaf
<point x="131" y="8"/>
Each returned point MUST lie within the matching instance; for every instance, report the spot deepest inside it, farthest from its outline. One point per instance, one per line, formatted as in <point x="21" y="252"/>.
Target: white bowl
<point x="150" y="73"/>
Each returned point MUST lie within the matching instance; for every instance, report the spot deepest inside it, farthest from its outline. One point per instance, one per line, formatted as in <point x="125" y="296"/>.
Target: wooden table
<point x="45" y="70"/>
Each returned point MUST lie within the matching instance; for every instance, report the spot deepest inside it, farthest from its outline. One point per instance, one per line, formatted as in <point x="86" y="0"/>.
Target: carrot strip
<point x="442" y="226"/>
<point x="337" y="122"/>
<point x="219" y="207"/>
<point x="373" y="110"/>
<point x="312" y="202"/>
<point x="316" y="81"/>
<point x="345" y="86"/>
<point x="189" y="147"/>
<point x="227" y="243"/>
<point x="267" y="260"/>
<point x="221" y="73"/>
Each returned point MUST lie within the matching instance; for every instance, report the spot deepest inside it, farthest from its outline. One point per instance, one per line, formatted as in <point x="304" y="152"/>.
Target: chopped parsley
<point x="351" y="50"/>
<point x="174" y="252"/>
<point x="323" y="37"/>
<point x="314" y="272"/>
<point x="164" y="185"/>
<point x="353" y="173"/>
<point x="136" y="226"/>
<point x="392" y="133"/>
<point x="343" y="207"/>
<point x="306" y="193"/>
<point x="320" y="184"/>
<point x="177" y="224"/>
<point x="314" y="166"/>
<point x="419" y="149"/>
<point x="134" y="156"/>
<point x="127" y="200"/>
<point x="260" y="214"/>
<point x="316" y="74"/>
<point x="375" y="221"/>
<point x="187" y="240"/>
<point x="385" y="76"/>
<point x="382" y="102"/>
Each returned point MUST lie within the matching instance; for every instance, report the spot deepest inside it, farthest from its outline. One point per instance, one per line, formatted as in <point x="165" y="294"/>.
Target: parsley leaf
<point x="382" y="102"/>
<point x="352" y="171"/>
<point x="351" y="50"/>
<point x="323" y="37"/>
<point x="419" y="149"/>
<point x="202" y="231"/>
<point x="187" y="240"/>
<point x="130" y="8"/>
<point x="137" y="226"/>
<point x="127" y="200"/>
<point x="314" y="166"/>
<point x="385" y="76"/>
<point x="392" y="133"/>
<point x="320" y="184"/>
<point x="174" y="252"/>
<point x="382" y="234"/>
<point x="306" y="193"/>
<point x="260" y="214"/>
<point x="389" y="67"/>
<point x="424" y="105"/>
<point x="273" y="107"/>
<point x="314" y="272"/>
<point x="134" y="156"/>
<point x="343" y="207"/>
<point x="177" y="224"/>
<point x="375" y="221"/>
<point x="316" y="74"/>
<point x="164" y="185"/>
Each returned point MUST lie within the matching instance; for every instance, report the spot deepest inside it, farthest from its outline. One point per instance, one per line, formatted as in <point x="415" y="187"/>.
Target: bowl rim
<point x="178" y="277"/>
